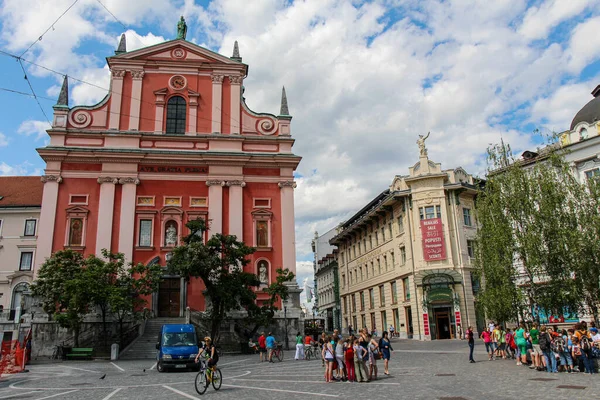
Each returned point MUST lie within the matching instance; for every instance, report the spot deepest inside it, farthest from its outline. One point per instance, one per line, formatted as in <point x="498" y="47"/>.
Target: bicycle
<point x="312" y="352"/>
<point x="278" y="352"/>
<point x="206" y="376"/>
<point x="58" y="353"/>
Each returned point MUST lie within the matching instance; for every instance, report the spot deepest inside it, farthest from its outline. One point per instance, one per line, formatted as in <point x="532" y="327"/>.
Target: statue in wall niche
<point x="262" y="272"/>
<point x="421" y="143"/>
<point x="171" y="235"/>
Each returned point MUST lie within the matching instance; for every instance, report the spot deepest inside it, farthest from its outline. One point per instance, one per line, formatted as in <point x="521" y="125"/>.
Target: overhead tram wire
<point x="50" y="27"/>
<point x="33" y="92"/>
<point x="113" y="15"/>
<point x="24" y="94"/>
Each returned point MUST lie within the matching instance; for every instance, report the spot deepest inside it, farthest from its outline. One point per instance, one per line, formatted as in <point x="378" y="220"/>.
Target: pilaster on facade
<point x="105" y="213"/>
<point x="47" y="218"/>
<point x="215" y="206"/>
<point x="217" y="102"/>
<point x="127" y="216"/>
<point x="116" y="97"/>
<point x="236" y="208"/>
<point x="288" y="233"/>
<point x="136" y="99"/>
<point x="236" y="96"/>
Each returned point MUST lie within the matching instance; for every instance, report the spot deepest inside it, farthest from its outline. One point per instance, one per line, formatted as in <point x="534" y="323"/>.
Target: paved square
<point x="419" y="370"/>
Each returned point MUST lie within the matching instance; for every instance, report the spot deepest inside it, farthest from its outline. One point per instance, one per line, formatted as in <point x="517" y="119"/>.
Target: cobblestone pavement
<point x="419" y="370"/>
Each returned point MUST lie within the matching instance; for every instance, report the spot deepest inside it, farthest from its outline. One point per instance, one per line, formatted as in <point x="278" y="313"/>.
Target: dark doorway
<point x="169" y="293"/>
<point x="409" y="322"/>
<point x="442" y="322"/>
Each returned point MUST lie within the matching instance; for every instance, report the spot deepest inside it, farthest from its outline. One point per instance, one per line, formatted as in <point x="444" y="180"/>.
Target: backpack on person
<point x="586" y="343"/>
<point x="559" y="345"/>
<point x="544" y="342"/>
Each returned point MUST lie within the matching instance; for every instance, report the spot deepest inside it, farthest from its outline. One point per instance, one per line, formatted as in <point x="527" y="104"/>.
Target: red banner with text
<point x="426" y="324"/>
<point x="432" y="231"/>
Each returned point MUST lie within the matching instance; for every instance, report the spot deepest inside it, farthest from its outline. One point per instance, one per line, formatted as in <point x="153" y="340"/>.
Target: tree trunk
<point x="76" y="336"/>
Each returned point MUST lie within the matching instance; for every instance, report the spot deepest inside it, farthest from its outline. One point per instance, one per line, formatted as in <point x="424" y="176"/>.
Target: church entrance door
<point x="169" y="295"/>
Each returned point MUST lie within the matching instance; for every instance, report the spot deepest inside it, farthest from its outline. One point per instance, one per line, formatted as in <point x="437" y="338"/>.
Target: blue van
<point x="177" y="347"/>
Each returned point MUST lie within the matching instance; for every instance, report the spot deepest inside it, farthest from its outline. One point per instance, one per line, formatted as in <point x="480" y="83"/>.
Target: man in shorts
<point x="262" y="347"/>
<point x="270" y="346"/>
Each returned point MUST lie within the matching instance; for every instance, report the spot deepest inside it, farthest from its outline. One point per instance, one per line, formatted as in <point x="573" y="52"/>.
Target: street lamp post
<point x="287" y="344"/>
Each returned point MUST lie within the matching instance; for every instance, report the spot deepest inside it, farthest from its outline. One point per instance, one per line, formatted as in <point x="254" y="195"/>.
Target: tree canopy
<point x="536" y="224"/>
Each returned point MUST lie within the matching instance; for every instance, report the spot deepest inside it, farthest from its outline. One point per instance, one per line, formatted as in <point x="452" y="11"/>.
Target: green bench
<point x="81" y="352"/>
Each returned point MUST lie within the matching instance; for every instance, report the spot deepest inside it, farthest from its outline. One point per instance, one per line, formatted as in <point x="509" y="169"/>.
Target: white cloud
<point x="360" y="85"/>
<point x="538" y="21"/>
<point x="33" y="127"/>
<point x="3" y="140"/>
<point x="25" y="168"/>
<point x="584" y="46"/>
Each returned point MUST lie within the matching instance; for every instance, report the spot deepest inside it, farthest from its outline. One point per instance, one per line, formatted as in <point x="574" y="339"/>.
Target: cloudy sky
<point x="363" y="78"/>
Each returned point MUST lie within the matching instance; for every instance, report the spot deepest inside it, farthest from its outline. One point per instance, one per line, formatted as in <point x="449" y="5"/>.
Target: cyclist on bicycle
<point x="210" y="351"/>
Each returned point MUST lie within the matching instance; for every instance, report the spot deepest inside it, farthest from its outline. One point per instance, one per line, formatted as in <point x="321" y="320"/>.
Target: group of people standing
<point x="350" y="359"/>
<point x="543" y="348"/>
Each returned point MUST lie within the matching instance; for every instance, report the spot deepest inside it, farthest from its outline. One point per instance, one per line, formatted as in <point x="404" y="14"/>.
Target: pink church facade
<point x="172" y="141"/>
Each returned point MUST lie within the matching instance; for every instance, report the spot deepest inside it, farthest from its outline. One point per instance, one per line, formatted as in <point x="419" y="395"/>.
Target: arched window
<point x="176" y="115"/>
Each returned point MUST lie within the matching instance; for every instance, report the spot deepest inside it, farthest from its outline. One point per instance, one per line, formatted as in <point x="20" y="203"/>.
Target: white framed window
<point x="26" y="261"/>
<point x="467" y="216"/>
<point x="145" y="235"/>
<point x="471" y="248"/>
<point x="402" y="255"/>
<point x="30" y="225"/>
<point x="400" y="224"/>
<point x="592" y="173"/>
<point x="430" y="212"/>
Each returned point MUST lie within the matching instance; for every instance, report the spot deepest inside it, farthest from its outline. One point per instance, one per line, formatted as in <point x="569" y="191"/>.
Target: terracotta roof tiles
<point x="20" y="191"/>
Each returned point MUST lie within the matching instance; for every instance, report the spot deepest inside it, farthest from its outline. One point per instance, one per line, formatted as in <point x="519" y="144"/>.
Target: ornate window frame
<point x="76" y="212"/>
<point x="78" y="203"/>
<point x="262" y="215"/>
<point x="258" y="260"/>
<point x="144" y="215"/>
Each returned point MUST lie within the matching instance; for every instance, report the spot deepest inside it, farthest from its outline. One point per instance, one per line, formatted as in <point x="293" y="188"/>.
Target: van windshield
<point x="179" y="339"/>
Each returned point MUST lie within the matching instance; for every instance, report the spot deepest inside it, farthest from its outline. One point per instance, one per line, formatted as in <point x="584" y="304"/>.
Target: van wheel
<point x="160" y="367"/>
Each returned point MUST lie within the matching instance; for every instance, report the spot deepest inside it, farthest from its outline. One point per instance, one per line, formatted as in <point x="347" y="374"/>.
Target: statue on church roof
<point x="181" y="28"/>
<point x="421" y="144"/>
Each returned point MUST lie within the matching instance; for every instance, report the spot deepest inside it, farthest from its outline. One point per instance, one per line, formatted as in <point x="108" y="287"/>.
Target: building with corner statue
<point x="405" y="257"/>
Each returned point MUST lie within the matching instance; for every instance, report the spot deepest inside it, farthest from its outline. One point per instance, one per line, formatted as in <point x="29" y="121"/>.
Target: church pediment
<point x="178" y="50"/>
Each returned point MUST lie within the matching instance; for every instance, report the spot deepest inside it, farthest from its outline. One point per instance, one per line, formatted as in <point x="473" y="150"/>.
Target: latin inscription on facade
<point x="434" y="248"/>
<point x="168" y="169"/>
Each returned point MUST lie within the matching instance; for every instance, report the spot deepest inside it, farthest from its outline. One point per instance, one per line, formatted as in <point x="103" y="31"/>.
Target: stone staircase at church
<point x="144" y="346"/>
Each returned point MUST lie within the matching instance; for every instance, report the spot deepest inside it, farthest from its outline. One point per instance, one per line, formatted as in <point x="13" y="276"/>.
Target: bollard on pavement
<point x="114" y="352"/>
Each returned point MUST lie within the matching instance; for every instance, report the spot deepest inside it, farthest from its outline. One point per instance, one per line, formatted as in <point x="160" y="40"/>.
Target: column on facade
<point x="236" y="211"/>
<point x="127" y="219"/>
<point x="288" y="233"/>
<point x="217" y="100"/>
<point x="215" y="206"/>
<point x="234" y="112"/>
<point x="193" y="120"/>
<point x="47" y="219"/>
<point x="106" y="207"/>
<point x="116" y="94"/>
<point x="159" y="101"/>
<point x="136" y="99"/>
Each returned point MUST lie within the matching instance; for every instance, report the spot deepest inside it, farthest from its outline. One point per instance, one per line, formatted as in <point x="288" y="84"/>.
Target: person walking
<point x="386" y="348"/>
<point x="486" y="336"/>
<point x="521" y="340"/>
<point x="262" y="347"/>
<point x="299" y="347"/>
<point x="270" y="346"/>
<point x="471" y="341"/>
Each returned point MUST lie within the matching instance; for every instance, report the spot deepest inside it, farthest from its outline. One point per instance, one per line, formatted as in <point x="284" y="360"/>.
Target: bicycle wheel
<point x="280" y="355"/>
<point x="308" y="354"/>
<point x="201" y="383"/>
<point x="217" y="379"/>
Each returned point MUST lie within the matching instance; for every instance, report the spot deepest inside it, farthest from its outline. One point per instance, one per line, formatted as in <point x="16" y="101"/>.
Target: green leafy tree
<point x="219" y="264"/>
<point x="528" y="236"/>
<point x="263" y="315"/>
<point x="63" y="289"/>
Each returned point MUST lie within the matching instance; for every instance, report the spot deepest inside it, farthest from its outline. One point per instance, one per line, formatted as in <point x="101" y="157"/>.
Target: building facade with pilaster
<point x="405" y="257"/>
<point x="172" y="141"/>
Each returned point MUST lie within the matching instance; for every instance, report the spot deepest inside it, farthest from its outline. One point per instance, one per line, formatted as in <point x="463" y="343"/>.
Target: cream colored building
<point x="405" y="258"/>
<point x="20" y="204"/>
